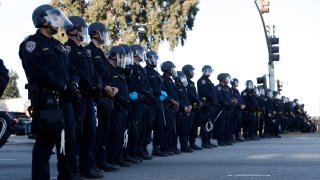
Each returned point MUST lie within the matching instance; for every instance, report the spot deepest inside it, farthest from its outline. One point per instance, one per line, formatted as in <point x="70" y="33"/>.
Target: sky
<point x="228" y="35"/>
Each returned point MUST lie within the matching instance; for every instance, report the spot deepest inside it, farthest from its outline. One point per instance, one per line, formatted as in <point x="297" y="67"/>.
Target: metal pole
<point x="270" y="64"/>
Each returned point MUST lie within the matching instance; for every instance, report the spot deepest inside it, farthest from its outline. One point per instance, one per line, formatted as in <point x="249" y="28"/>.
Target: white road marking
<point x="249" y="175"/>
<point x="8" y="159"/>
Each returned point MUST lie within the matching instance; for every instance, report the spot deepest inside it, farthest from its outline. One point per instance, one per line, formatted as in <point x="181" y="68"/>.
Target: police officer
<point x="262" y="110"/>
<point x="4" y="80"/>
<point x="156" y="105"/>
<point x="257" y="114"/>
<point x="194" y="100"/>
<point x="249" y="117"/>
<point x="46" y="65"/>
<point x="207" y="96"/>
<point x="4" y="77"/>
<point x="170" y="106"/>
<point x="132" y="136"/>
<point x="222" y="124"/>
<point x="270" y="113"/>
<point x="90" y="88"/>
<point x="139" y="93"/>
<point x="182" y="114"/>
<point x="119" y="116"/>
<point x="237" y="107"/>
<point x="99" y="36"/>
<point x="277" y="104"/>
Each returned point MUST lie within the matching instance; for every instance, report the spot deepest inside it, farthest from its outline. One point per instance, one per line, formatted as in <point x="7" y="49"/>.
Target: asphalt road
<point x="295" y="156"/>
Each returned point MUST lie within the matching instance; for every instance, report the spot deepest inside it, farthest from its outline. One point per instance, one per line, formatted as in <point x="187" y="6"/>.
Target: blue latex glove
<point x="133" y="96"/>
<point x="162" y="98"/>
<point x="163" y="93"/>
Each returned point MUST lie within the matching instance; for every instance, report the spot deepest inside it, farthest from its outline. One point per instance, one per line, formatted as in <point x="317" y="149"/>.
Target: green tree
<point x="147" y="22"/>
<point x="12" y="90"/>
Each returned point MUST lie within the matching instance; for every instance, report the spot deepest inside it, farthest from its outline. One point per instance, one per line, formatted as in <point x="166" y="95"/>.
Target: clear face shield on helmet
<point x="153" y="60"/>
<point x="235" y="82"/>
<point x="256" y="91"/>
<point x="207" y="71"/>
<point x="250" y="85"/>
<point x="84" y="34"/>
<point x="57" y="19"/>
<point x="121" y="61"/>
<point x="261" y="91"/>
<point x="183" y="80"/>
<point x="140" y="54"/>
<point x="129" y="59"/>
<point x="278" y="96"/>
<point x="173" y="72"/>
<point x="228" y="79"/>
<point x="104" y="38"/>
<point x="287" y="100"/>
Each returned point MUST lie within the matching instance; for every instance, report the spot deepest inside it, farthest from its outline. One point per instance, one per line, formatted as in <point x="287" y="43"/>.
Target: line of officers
<point x="101" y="110"/>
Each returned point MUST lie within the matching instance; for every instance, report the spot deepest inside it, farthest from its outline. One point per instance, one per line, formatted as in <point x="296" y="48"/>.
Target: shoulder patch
<point x="30" y="46"/>
<point x="219" y="88"/>
<point x="203" y="81"/>
<point x="68" y="49"/>
<point x="244" y="93"/>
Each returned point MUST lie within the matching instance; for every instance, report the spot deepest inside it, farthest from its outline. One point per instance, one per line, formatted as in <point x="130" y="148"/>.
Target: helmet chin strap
<point x="53" y="30"/>
<point x="98" y="39"/>
<point x="76" y="35"/>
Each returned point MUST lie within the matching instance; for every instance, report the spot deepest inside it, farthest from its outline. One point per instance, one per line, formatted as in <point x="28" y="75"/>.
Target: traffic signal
<point x="262" y="80"/>
<point x="279" y="85"/>
<point x="264" y="6"/>
<point x="273" y="49"/>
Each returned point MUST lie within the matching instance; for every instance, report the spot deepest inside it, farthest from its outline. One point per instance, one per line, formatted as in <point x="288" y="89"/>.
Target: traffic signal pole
<point x="270" y="63"/>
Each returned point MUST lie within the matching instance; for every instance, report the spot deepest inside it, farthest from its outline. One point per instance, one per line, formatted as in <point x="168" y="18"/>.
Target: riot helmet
<point x="188" y="70"/>
<point x="138" y="51"/>
<point x="269" y="93"/>
<point x="235" y="82"/>
<point x="168" y="66"/>
<point x="222" y="77"/>
<point x="261" y="90"/>
<point x="118" y="54"/>
<point x="98" y="31"/>
<point x="55" y="18"/>
<point x="228" y="78"/>
<point x="276" y="95"/>
<point x="152" y="58"/>
<point x="207" y="70"/>
<point x="79" y="28"/>
<point x="287" y="99"/>
<point x="256" y="92"/>
<point x="182" y="78"/>
<point x="129" y="55"/>
<point x="249" y="84"/>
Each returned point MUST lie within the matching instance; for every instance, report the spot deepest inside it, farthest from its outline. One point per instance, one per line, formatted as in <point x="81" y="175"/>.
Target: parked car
<point x="18" y="121"/>
<point x="5" y="131"/>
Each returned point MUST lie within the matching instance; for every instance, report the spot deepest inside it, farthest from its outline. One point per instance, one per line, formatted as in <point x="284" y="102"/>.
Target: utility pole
<point x="270" y="40"/>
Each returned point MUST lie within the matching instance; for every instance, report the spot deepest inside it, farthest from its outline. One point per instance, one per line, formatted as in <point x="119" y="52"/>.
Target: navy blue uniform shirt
<point x="45" y="62"/>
